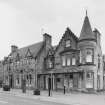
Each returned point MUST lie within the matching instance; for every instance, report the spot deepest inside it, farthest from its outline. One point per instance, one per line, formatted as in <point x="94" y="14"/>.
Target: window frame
<point x="67" y="44"/>
<point x="64" y="60"/>
<point x="91" y="55"/>
<point x="72" y="61"/>
<point x="68" y="58"/>
<point x="90" y="75"/>
<point x="50" y="64"/>
<point x="80" y="57"/>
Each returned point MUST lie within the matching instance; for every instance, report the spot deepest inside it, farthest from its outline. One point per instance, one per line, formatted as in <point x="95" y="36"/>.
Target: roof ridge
<point x="30" y="45"/>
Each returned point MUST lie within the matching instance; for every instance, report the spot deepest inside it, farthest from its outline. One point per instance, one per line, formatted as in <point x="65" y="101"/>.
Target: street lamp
<point x="23" y="77"/>
<point x="50" y="84"/>
<point x="36" y="90"/>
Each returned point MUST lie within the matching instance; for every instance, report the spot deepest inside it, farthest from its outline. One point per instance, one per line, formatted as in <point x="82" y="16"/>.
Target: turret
<point x="86" y="32"/>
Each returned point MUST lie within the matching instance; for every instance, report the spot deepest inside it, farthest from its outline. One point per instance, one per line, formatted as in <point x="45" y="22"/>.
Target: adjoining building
<point x="75" y="63"/>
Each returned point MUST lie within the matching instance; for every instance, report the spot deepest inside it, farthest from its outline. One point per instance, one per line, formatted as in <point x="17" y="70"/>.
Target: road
<point x="11" y="99"/>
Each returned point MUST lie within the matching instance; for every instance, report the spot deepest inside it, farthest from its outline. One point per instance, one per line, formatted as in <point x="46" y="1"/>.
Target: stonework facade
<point x="75" y="63"/>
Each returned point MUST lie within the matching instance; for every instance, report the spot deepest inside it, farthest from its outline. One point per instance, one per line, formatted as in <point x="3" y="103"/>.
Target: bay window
<point x="63" y="61"/>
<point x="80" y="58"/>
<point x="68" y="61"/>
<point x="89" y="55"/>
<point x="73" y="61"/>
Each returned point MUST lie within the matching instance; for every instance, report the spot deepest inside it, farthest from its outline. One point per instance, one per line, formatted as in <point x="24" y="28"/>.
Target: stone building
<point x="21" y="64"/>
<point x="75" y="63"/>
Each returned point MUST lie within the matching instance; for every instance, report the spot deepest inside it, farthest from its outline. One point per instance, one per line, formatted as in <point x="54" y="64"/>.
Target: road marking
<point x="4" y="102"/>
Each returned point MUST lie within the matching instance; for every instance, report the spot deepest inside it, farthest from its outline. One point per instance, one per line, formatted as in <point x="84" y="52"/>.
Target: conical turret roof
<point x="86" y="32"/>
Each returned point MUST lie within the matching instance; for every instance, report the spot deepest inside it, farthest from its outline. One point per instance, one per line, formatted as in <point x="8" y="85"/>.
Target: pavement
<point x="71" y="98"/>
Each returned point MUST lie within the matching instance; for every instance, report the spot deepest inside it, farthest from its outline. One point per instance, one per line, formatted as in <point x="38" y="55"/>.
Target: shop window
<point x="17" y="79"/>
<point x="68" y="44"/>
<point x="89" y="55"/>
<point x="71" y="76"/>
<point x="58" y="80"/>
<point x="68" y="61"/>
<point x="89" y="75"/>
<point x="73" y="61"/>
<point x="63" y="61"/>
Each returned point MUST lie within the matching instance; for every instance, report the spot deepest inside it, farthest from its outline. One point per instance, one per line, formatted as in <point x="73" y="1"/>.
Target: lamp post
<point x="23" y="78"/>
<point x="23" y="81"/>
<point x="36" y="90"/>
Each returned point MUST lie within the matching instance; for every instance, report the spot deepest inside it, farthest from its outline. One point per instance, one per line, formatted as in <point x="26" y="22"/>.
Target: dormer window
<point x="49" y="64"/>
<point x="67" y="43"/>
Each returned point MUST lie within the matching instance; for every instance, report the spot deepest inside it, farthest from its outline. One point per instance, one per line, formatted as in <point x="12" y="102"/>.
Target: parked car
<point x="6" y="87"/>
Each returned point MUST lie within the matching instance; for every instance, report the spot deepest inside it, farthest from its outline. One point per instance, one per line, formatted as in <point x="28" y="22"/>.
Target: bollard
<point x="64" y="89"/>
<point x="49" y="92"/>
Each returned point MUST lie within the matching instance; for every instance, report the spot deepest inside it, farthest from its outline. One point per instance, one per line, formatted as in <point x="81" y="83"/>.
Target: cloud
<point x="22" y="20"/>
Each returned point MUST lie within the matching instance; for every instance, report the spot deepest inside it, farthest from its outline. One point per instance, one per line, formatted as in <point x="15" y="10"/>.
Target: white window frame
<point x="67" y="43"/>
<point x="80" y="60"/>
<point x="68" y="61"/>
<point x="63" y="61"/>
<point x="90" y="74"/>
<point x="73" y="61"/>
<point x="50" y="64"/>
<point x="89" y="57"/>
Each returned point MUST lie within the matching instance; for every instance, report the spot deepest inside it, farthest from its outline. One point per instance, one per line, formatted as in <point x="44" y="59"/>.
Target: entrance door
<point x="98" y="82"/>
<point x="75" y="80"/>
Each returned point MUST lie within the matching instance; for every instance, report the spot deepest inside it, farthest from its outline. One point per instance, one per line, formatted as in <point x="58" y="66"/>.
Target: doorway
<point x="75" y="80"/>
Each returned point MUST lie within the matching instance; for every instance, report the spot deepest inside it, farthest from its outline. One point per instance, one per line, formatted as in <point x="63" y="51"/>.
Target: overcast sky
<point x="21" y="21"/>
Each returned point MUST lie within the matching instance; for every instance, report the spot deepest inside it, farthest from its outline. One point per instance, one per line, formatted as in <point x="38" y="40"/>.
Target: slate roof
<point x="34" y="49"/>
<point x="86" y="32"/>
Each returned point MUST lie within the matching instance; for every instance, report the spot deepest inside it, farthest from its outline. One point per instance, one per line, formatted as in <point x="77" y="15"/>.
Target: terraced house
<point x="75" y="63"/>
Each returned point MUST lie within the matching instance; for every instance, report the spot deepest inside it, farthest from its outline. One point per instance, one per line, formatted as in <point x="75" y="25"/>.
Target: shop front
<point x="71" y="81"/>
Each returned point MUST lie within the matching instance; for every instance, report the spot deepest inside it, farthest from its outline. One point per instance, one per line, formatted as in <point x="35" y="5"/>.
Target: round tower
<point x="88" y="56"/>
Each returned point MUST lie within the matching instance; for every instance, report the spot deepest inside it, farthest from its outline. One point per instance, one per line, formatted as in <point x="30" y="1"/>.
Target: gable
<point x="28" y="53"/>
<point x="31" y="50"/>
<point x="68" y="35"/>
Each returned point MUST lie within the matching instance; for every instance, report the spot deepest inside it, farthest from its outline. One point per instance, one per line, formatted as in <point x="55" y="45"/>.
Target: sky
<point x="23" y="22"/>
